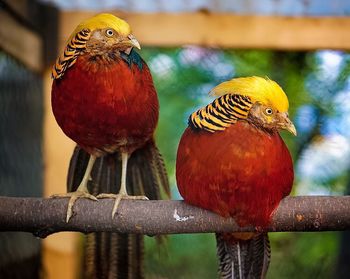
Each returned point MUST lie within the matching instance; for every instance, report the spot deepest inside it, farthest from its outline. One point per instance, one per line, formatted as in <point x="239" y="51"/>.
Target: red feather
<point x="241" y="172"/>
<point x="102" y="106"/>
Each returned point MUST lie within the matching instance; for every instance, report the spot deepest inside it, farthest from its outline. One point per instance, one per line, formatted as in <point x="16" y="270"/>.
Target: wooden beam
<point x="21" y="42"/>
<point x="20" y="7"/>
<point x="28" y="32"/>
<point x="227" y="30"/>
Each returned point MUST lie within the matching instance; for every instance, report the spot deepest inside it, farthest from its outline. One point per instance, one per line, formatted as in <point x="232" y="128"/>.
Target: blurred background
<point x="190" y="46"/>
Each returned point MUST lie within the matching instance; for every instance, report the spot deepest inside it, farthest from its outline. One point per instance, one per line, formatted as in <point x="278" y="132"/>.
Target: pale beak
<point x="286" y="124"/>
<point x="133" y="42"/>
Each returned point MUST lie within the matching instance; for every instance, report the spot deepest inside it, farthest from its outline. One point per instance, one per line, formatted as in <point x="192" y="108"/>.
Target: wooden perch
<point x="46" y="216"/>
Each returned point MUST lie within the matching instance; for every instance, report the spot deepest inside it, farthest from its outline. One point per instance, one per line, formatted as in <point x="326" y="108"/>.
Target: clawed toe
<point x="73" y="197"/>
<point x="120" y="197"/>
<point x="106" y="196"/>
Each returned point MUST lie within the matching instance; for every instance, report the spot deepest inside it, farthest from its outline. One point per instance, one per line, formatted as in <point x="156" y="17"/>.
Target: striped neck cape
<point x="221" y="113"/>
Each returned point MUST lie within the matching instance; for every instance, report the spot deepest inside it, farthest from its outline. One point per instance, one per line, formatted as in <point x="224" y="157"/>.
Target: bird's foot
<point x="73" y="197"/>
<point x="118" y="198"/>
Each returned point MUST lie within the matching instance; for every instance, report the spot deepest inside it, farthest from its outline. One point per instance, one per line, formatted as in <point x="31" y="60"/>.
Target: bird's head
<point x="107" y="32"/>
<point x="270" y="103"/>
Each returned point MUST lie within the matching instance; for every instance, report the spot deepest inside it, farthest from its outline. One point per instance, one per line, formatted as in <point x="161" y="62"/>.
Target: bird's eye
<point x="109" y="32"/>
<point x="268" y="111"/>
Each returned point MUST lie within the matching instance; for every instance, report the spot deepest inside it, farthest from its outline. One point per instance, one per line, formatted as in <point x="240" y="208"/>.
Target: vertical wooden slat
<point x="61" y="253"/>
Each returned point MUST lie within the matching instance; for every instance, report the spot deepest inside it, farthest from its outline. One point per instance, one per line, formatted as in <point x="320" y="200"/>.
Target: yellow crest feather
<point x="258" y="89"/>
<point x="101" y="21"/>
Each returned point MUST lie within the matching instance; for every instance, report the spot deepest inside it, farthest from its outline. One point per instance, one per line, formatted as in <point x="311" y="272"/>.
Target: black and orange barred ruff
<point x="70" y="54"/>
<point x="221" y="113"/>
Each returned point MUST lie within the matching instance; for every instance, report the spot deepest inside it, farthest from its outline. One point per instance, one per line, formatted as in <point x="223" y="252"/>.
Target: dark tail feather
<point x="113" y="255"/>
<point x="243" y="259"/>
<point x="147" y="173"/>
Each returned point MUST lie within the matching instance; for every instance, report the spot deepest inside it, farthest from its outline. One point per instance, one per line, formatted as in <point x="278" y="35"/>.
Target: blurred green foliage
<point x="183" y="77"/>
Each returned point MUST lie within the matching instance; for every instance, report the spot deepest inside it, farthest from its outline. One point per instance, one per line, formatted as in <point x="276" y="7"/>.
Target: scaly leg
<point x="123" y="194"/>
<point x="81" y="192"/>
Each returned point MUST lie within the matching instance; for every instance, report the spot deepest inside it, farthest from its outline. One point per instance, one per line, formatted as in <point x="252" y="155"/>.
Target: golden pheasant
<point x="231" y="160"/>
<point x="104" y="99"/>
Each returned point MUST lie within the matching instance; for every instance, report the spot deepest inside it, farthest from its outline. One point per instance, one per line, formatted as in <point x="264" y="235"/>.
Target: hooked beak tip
<point x="291" y="128"/>
<point x="287" y="124"/>
<point x="134" y="42"/>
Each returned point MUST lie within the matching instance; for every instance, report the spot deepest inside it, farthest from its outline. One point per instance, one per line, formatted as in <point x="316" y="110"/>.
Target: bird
<point x="232" y="161"/>
<point x="104" y="99"/>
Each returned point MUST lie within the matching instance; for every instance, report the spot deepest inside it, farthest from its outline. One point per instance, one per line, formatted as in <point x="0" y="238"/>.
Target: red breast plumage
<point x="109" y="107"/>
<point x="242" y="172"/>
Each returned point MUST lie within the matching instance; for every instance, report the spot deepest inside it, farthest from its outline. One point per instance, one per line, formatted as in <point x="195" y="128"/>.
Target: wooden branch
<point x="226" y="30"/>
<point x="46" y="216"/>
